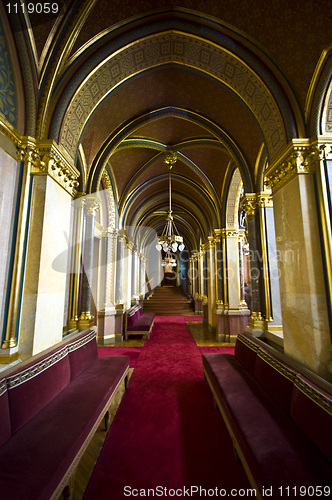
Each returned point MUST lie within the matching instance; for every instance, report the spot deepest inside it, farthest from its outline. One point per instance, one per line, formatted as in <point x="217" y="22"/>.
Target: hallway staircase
<point x="169" y="301"/>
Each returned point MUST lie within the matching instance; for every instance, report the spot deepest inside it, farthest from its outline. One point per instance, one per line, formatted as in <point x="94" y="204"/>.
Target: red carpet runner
<point x="166" y="432"/>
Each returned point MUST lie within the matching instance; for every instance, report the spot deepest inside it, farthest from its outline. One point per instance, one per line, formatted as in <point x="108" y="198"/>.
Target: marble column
<point x="90" y="208"/>
<point x="236" y="312"/>
<point x="141" y="289"/>
<point x="106" y="315"/>
<point x="76" y="253"/>
<point x="257" y="323"/>
<point x="44" y="289"/>
<point x="219" y="286"/>
<point x="9" y="349"/>
<point x="120" y="255"/>
<point x="211" y="285"/>
<point x="273" y="317"/>
<point x="134" y="271"/>
<point x="302" y="284"/>
<point x="129" y="252"/>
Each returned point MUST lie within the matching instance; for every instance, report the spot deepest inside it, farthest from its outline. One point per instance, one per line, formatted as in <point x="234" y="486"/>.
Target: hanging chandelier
<point x="170" y="239"/>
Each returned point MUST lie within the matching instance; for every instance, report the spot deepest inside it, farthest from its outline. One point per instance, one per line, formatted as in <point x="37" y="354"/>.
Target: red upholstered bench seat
<point x="138" y="323"/>
<point x="279" y="421"/>
<point x="55" y="405"/>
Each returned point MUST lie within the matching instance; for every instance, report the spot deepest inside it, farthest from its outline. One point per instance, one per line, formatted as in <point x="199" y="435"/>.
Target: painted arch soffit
<point x="121" y="134"/>
<point x="176" y="48"/>
<point x="180" y="203"/>
<point x="126" y="206"/>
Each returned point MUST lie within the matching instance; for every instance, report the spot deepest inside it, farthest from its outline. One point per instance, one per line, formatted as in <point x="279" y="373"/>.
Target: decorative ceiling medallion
<point x="173" y="47"/>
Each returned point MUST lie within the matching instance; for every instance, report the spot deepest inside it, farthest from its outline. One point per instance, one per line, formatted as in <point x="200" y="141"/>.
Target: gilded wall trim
<point x="180" y="48"/>
<point x="110" y="199"/>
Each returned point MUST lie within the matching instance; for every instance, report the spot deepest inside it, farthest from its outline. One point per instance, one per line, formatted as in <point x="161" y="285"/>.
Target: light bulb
<point x="165" y="247"/>
<point x="158" y="247"/>
<point x="181" y="247"/>
<point x="174" y="247"/>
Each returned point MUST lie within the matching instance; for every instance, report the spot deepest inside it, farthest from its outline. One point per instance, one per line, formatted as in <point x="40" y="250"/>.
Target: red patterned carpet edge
<point x="166" y="433"/>
<point x="132" y="352"/>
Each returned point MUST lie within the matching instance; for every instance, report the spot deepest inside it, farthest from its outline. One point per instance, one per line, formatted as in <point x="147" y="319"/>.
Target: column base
<point x="231" y="322"/>
<point x="72" y="324"/>
<point x="110" y="325"/>
<point x="8" y="355"/>
<point x="205" y="309"/>
<point x="257" y="325"/>
<point x="86" y="320"/>
<point x="198" y="304"/>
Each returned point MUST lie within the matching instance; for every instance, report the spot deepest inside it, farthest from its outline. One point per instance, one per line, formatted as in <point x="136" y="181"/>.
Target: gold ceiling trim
<point x="56" y="69"/>
<point x="183" y="49"/>
<point x="314" y="81"/>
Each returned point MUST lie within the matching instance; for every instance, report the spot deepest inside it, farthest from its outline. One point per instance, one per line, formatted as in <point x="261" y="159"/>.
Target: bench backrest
<point x="133" y="314"/>
<point x="5" y="428"/>
<point x="309" y="405"/>
<point x="28" y="389"/>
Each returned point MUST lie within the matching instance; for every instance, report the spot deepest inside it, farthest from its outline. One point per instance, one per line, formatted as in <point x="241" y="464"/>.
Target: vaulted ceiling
<point x="221" y="83"/>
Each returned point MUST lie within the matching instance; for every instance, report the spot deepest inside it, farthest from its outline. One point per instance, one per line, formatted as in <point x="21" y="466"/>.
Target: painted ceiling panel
<point x="172" y="87"/>
<point x="279" y="26"/>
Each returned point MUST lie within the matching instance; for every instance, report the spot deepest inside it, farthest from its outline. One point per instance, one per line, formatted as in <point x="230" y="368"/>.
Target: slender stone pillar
<point x="129" y="249"/>
<point x="212" y="319"/>
<point x="236" y="312"/>
<point x="142" y="261"/>
<point x="302" y="284"/>
<point x="90" y="208"/>
<point x="257" y="323"/>
<point x="134" y="272"/>
<point x="76" y="254"/>
<point x="44" y="286"/>
<point x="26" y="155"/>
<point x="106" y="316"/>
<point x="120" y="254"/>
<point x="219" y="286"/>
<point x="273" y="317"/>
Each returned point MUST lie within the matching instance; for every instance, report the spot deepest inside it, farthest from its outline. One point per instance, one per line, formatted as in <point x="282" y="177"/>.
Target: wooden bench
<point x="279" y="416"/>
<point x="138" y="323"/>
<point x="50" y="407"/>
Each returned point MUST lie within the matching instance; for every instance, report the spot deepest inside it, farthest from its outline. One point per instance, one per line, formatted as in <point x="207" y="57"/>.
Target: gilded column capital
<point x="217" y="235"/>
<point x="27" y="151"/>
<point x="249" y="203"/>
<point x="264" y="200"/>
<point x="130" y="243"/>
<point x="108" y="232"/>
<point x="47" y="159"/>
<point x="300" y="157"/>
<point x="91" y="205"/>
<point x="228" y="232"/>
<point x="211" y="242"/>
